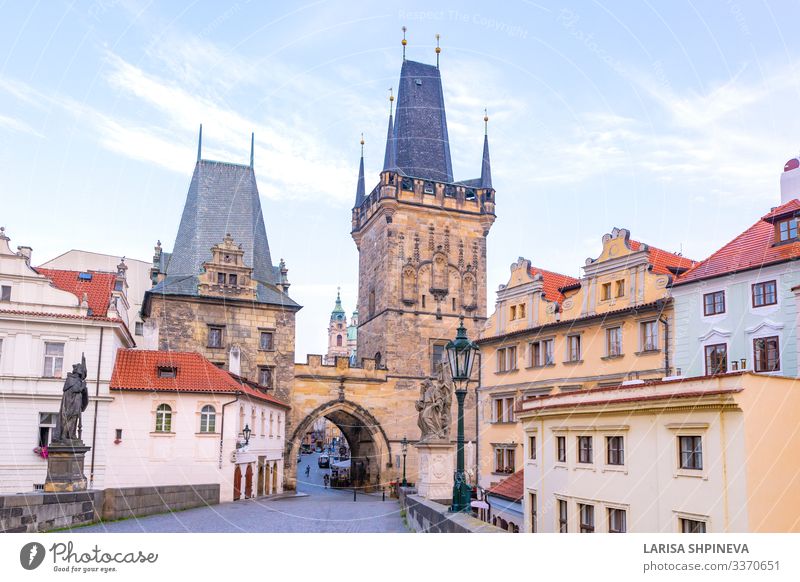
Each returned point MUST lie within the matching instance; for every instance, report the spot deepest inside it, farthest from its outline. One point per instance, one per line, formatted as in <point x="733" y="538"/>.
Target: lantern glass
<point x="404" y="445"/>
<point x="246" y="433"/>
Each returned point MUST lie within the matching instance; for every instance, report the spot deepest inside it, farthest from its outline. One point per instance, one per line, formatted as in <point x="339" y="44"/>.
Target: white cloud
<point x="18" y="125"/>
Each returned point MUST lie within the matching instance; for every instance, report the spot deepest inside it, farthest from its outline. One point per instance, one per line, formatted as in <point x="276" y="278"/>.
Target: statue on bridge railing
<point x="74" y="400"/>
<point x="435" y="398"/>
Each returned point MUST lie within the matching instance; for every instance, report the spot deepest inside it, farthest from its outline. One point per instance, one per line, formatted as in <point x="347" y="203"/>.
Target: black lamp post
<point x="246" y="434"/>
<point x="404" y="448"/>
<point x="461" y="355"/>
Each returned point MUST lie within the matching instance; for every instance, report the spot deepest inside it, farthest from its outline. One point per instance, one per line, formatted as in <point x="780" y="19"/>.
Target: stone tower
<point x="337" y="333"/>
<point x="421" y="236"/>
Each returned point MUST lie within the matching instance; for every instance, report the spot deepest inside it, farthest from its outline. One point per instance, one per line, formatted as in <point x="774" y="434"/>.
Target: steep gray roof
<point x="360" y="189"/>
<point x="222" y="198"/>
<point x="486" y="166"/>
<point x="389" y="162"/>
<point x="422" y="148"/>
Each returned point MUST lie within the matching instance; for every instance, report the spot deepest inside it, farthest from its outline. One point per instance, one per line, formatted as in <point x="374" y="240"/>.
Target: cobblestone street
<point x="316" y="509"/>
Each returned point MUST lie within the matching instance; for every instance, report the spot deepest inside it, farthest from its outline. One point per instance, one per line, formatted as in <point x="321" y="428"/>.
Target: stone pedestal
<point x="65" y="467"/>
<point x="436" y="468"/>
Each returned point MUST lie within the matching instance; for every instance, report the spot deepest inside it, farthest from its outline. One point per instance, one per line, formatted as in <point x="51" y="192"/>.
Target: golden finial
<point x="404" y="43"/>
<point x="438" y="50"/>
<point x="485" y="121"/>
<point x="391" y="98"/>
<point x="362" y="145"/>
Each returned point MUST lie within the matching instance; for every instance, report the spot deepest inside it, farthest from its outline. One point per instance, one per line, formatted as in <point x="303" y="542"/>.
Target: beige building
<point x="551" y="333"/>
<point x="710" y="454"/>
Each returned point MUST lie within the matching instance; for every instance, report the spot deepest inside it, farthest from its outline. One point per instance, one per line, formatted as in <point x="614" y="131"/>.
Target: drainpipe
<point x="96" y="396"/>
<point x="222" y="428"/>
<point x="665" y="321"/>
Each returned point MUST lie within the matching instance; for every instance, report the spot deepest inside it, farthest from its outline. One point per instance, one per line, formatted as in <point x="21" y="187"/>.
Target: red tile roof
<point x="138" y="370"/>
<point x="98" y="289"/>
<point x="63" y="316"/>
<point x="752" y="249"/>
<point x="663" y="262"/>
<point x="511" y="488"/>
<point x="553" y="282"/>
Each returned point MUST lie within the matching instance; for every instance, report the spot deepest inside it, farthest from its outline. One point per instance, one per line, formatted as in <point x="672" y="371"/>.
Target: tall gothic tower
<point x="421" y="236"/>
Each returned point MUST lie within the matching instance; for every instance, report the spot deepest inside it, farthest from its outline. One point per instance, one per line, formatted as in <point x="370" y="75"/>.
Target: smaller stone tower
<point x="337" y="332"/>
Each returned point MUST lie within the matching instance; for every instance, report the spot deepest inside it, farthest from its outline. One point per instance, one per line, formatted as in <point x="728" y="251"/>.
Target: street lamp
<point x="461" y="355"/>
<point x="404" y="448"/>
<point x="246" y="434"/>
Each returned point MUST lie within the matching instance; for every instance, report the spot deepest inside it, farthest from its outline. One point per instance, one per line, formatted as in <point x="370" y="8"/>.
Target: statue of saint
<point x="74" y="401"/>
<point x="434" y="408"/>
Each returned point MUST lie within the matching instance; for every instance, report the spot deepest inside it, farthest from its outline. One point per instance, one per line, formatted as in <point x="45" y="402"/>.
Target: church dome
<point x="792" y="164"/>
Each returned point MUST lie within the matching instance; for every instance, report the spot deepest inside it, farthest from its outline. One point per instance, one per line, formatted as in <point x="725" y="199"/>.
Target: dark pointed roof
<point x="360" y="189"/>
<point x="389" y="158"/>
<point x="422" y="147"/>
<point x="486" y="166"/>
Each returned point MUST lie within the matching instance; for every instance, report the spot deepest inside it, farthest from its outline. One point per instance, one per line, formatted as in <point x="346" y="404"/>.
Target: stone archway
<point x="370" y="448"/>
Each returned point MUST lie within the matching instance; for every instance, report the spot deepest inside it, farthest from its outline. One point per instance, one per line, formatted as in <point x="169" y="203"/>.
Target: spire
<point x="360" y="190"/>
<point x="486" y="167"/>
<point x="338" y="309"/>
<point x="438" y="50"/>
<point x="389" y="162"/>
<point x="200" y="143"/>
<point x="404" y="43"/>
<point x="252" y="147"/>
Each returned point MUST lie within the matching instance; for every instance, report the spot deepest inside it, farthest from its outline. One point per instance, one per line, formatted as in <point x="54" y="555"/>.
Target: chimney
<point x="25" y="252"/>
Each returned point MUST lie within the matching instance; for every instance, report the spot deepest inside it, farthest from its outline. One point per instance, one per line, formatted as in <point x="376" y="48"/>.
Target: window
<point x="138" y="328"/>
<point x="532" y="448"/>
<point x="716" y="359"/>
<point x="766" y="354"/>
<point x="692" y="526"/>
<point x="164" y="418"/>
<point x="265" y="376"/>
<point x="423" y="301"/>
<point x="512" y="312"/>
<point x="208" y="419"/>
<point x="220" y="278"/>
<point x="585" y="449"/>
<point x="605" y="292"/>
<point x="265" y="341"/>
<point x="615" y="451"/>
<point x="573" y="348"/>
<point x="521" y="311"/>
<point x="454" y="303"/>
<point x="714" y="303"/>
<point x="541" y="353"/>
<point x="649" y="335"/>
<point x="561" y="449"/>
<point x="587" y="517"/>
<point x="428" y="186"/>
<point x="233" y="279"/>
<point x="215" y="336"/>
<point x="548" y="352"/>
<point x="507" y="359"/>
<point x="53" y="359"/>
<point x="117" y="285"/>
<point x="167" y="371"/>
<point x="764" y="294"/>
<point x="47" y="422"/>
<point x="338" y="341"/>
<point x="617" y="521"/>
<point x="512" y="357"/>
<point x="614" y="341"/>
<point x="5" y="293"/>
<point x="536" y="353"/>
<point x="437" y="357"/>
<point x="263" y="424"/>
<point x="621" y="288"/>
<point x="532" y="499"/>
<point x="787" y="229"/>
<point x="504" y="460"/>
<point x="691" y="452"/>
<point x="563" y="521"/>
<point x="503" y="409"/>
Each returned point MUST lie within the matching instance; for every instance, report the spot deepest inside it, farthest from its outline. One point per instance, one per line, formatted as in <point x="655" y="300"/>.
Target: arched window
<point x="280" y="419"/>
<point x="164" y="418"/>
<point x="263" y="423"/>
<point x="208" y="419"/>
<point x="270" y="425"/>
<point x="377" y="359"/>
<point x="253" y="418"/>
<point x="338" y="341"/>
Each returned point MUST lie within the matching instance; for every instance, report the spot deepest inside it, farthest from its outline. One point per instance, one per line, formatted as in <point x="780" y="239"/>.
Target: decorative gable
<point x="226" y="275"/>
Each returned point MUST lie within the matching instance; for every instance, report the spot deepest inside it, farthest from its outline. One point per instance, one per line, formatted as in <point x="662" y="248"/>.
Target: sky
<point x="672" y="120"/>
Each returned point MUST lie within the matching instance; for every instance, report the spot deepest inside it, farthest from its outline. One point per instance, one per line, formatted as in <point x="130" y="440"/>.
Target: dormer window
<point x="787" y="229"/>
<point x="220" y="278"/>
<point x="450" y="191"/>
<point x="407" y="184"/>
<point x="428" y="188"/>
<point x="167" y="371"/>
<point x="469" y="194"/>
<point x="232" y="279"/>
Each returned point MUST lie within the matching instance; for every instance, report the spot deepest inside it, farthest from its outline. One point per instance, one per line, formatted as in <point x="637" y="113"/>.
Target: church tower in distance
<point x="421" y="236"/>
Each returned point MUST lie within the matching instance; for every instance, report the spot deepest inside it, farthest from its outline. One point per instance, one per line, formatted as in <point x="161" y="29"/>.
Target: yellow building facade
<point x="551" y="333"/>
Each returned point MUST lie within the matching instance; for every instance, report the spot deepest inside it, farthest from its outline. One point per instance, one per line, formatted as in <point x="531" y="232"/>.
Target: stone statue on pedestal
<point x="434" y="408"/>
<point x="74" y="400"/>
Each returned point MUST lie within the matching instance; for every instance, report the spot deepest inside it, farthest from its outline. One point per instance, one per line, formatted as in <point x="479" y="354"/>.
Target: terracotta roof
<point x="663" y="262"/>
<point x="62" y="315"/>
<point x="511" y="488"/>
<point x="138" y="370"/>
<point x="98" y="289"/>
<point x="553" y="282"/>
<point x="752" y="249"/>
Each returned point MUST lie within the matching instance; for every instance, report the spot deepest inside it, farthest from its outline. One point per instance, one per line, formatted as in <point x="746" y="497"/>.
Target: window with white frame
<point x="53" y="359"/>
<point x="587" y="517"/>
<point x="533" y="510"/>
<point x="504" y="459"/>
<point x="563" y="516"/>
<point x="271" y="433"/>
<point x="561" y="449"/>
<point x="691" y="452"/>
<point x="47" y="422"/>
<point x="615" y="450"/>
<point x="649" y="335"/>
<point x="532" y="447"/>
<point x="692" y="525"/>
<point x="541" y="353"/>
<point x="614" y="341"/>
<point x="573" y="348"/>
<point x="208" y="419"/>
<point x="138" y="328"/>
<point x="164" y="418"/>
<point x="585" y="449"/>
<point x="617" y="520"/>
<point x="503" y="409"/>
<point x="507" y="359"/>
<point x="5" y="293"/>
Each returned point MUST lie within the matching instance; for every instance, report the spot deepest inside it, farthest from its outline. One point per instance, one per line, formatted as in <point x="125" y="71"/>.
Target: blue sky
<point x="671" y="119"/>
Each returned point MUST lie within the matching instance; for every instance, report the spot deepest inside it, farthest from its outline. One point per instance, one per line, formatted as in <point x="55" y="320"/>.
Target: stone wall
<point x="40" y="512"/>
<point x="139" y="501"/>
<point x="426" y="516"/>
<point x="37" y="512"/>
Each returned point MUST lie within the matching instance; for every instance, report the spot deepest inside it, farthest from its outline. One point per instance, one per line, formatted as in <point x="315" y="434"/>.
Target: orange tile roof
<point x="752" y="249"/>
<point x="663" y="262"/>
<point x="511" y="488"/>
<point x="98" y="289"/>
<point x="553" y="282"/>
<point x="138" y="370"/>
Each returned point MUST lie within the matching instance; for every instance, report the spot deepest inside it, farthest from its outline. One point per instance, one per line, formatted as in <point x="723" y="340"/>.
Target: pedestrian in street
<point x="308" y="470"/>
<point x="326" y="480"/>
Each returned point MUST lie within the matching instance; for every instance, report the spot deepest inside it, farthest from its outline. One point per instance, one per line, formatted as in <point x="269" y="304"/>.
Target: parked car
<point x="324" y="461"/>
